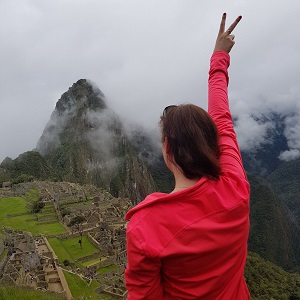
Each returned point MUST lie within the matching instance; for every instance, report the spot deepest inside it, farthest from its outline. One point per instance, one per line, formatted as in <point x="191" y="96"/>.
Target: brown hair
<point x="193" y="140"/>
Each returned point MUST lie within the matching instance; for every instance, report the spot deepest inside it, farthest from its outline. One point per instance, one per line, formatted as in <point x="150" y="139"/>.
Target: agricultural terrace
<point x="15" y="213"/>
<point x="69" y="249"/>
<point x="80" y="289"/>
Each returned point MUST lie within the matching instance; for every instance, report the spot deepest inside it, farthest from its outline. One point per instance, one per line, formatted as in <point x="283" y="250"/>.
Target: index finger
<point x="233" y="25"/>
<point x="222" y="25"/>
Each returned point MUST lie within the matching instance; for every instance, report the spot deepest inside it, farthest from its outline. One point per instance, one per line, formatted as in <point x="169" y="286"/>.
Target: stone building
<point x="31" y="262"/>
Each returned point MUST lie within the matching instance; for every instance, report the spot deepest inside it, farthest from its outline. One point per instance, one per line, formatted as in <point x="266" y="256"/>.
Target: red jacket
<point x="192" y="244"/>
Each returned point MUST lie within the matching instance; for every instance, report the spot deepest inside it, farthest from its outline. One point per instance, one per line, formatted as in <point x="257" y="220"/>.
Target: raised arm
<point x="218" y="105"/>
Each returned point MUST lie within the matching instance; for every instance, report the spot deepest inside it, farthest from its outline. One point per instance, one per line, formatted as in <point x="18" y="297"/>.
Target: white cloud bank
<point x="145" y="55"/>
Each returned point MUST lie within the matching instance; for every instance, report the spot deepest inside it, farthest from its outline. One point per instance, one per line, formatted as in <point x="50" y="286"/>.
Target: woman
<point x="192" y="243"/>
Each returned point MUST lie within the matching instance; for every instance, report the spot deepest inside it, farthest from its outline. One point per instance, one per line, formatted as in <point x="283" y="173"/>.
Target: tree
<point x="37" y="206"/>
<point x="294" y="297"/>
<point x="77" y="223"/>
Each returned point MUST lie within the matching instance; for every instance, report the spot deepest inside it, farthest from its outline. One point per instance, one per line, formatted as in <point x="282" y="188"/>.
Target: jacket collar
<point x="157" y="197"/>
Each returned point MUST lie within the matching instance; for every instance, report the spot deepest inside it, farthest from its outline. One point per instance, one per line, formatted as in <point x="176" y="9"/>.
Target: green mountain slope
<point x="26" y="166"/>
<point x="85" y="142"/>
<point x="273" y="233"/>
<point x="285" y="181"/>
<point x="268" y="281"/>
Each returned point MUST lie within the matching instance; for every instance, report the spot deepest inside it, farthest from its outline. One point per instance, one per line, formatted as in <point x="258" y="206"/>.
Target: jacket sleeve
<point x="218" y="108"/>
<point x="142" y="274"/>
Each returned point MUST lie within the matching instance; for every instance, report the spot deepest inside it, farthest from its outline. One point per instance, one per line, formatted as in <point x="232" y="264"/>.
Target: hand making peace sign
<point x="225" y="39"/>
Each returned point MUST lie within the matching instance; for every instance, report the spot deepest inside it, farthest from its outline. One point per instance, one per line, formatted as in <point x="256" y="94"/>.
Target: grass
<point x="73" y="247"/>
<point x="12" y="205"/>
<point x="90" y="263"/>
<point x="27" y="222"/>
<point x="76" y="205"/>
<point x="107" y="269"/>
<point x="60" y="251"/>
<point x="80" y="288"/>
<point x="13" y="292"/>
<point x="70" y="249"/>
<point x="32" y="194"/>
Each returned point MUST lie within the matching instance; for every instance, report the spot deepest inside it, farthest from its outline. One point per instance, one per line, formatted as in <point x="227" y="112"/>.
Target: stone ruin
<point x="117" y="290"/>
<point x="31" y="262"/>
<point x="7" y="185"/>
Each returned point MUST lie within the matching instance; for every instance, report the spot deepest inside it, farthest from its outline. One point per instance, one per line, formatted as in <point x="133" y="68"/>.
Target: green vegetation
<point x="14" y="293"/>
<point x="60" y="251"/>
<point x="22" y="178"/>
<point x="268" y="281"/>
<point x="12" y="205"/>
<point x="91" y="262"/>
<point x="26" y="167"/>
<point x="80" y="289"/>
<point x="37" y="206"/>
<point x="271" y="223"/>
<point x="287" y="186"/>
<point x="76" y="221"/>
<point x="32" y="194"/>
<point x="70" y="249"/>
<point x="14" y="213"/>
<point x="162" y="176"/>
<point x="106" y="269"/>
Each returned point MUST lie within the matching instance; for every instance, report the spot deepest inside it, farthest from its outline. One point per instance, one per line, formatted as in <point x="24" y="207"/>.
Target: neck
<point x="181" y="182"/>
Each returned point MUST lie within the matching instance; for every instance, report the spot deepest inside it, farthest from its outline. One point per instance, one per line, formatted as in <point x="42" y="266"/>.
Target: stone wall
<point x="93" y="241"/>
<point x="60" y="273"/>
<point x="104" y="263"/>
<point x="3" y="263"/>
<point x="88" y="257"/>
<point x="50" y="249"/>
<point x="1" y="245"/>
<point x="64" y="283"/>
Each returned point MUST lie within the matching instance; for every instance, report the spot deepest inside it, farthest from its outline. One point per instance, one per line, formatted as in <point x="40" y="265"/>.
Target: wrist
<point x="221" y="52"/>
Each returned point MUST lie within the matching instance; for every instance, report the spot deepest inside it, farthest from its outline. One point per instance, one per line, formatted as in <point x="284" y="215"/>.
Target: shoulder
<point x="150" y="227"/>
<point x="232" y="188"/>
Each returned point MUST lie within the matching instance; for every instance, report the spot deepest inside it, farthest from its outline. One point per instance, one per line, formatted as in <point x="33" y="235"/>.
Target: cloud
<point x="144" y="55"/>
<point x="292" y="130"/>
<point x="290" y="155"/>
<point x="104" y="133"/>
<point x="251" y="133"/>
<point x="255" y="125"/>
<point x="292" y="134"/>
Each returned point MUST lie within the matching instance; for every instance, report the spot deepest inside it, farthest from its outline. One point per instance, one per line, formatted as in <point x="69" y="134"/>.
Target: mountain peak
<point x="81" y="93"/>
<point x="72" y="114"/>
<point x="84" y="141"/>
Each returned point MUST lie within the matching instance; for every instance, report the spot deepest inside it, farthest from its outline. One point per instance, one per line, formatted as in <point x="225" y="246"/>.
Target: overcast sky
<point x="144" y="55"/>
